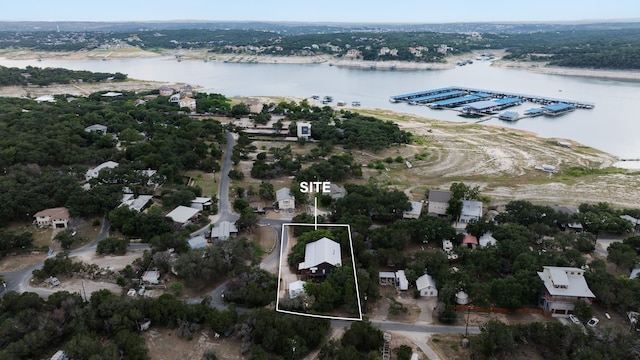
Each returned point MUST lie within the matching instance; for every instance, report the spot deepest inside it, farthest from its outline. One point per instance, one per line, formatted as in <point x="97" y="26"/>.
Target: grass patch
<point x="577" y="171"/>
<point x="205" y="181"/>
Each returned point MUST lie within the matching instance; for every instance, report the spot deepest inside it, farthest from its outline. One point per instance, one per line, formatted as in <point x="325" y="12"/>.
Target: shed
<point x="151" y="277"/>
<point x="202" y="203"/>
<point x="386" y="278"/>
<point x="223" y="231"/>
<point x="401" y="280"/>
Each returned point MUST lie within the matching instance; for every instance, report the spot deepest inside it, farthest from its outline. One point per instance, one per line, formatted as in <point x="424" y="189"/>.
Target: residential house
<point x="112" y="94"/>
<point x="470" y="241"/>
<point x="60" y="355"/>
<point x="284" y="200"/>
<point x="197" y="242"/>
<point x="223" y="231"/>
<point x="165" y="90"/>
<point x="151" y="277"/>
<point x="303" y="130"/>
<point x="186" y="91"/>
<point x="386" y="278"/>
<point x="183" y="215"/>
<point x="175" y="98"/>
<point x="320" y="257"/>
<point x="471" y="210"/>
<point x="401" y="280"/>
<point x="487" y="239"/>
<point x="426" y="285"/>
<point x="296" y="289"/>
<point x="93" y="173"/>
<point x="353" y="54"/>
<point x="98" y="128"/>
<point x="188" y="103"/>
<point x="414" y="213"/>
<point x="45" y="98"/>
<point x="563" y="286"/>
<point x="55" y="217"/>
<point x="438" y="202"/>
<point x="337" y="192"/>
<point x="202" y="203"/>
<point x="138" y="203"/>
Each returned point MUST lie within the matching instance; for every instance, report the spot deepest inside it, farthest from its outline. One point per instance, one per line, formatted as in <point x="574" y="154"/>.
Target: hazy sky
<point x="413" y="11"/>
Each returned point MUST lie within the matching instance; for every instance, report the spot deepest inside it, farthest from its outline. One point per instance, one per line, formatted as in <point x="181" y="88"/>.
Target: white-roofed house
<point x="387" y="278"/>
<point x="223" y="231"/>
<point x="284" y="200"/>
<point x="183" y="215"/>
<point x="202" y="203"/>
<point x="634" y="273"/>
<point x="197" y="242"/>
<point x="320" y="257"/>
<point x="136" y="203"/>
<point x="296" y="289"/>
<point x="471" y="210"/>
<point x="401" y="280"/>
<point x="414" y="213"/>
<point x="336" y="191"/>
<point x="93" y="173"/>
<point x="487" y="239"/>
<point x="426" y="285"/>
<point x="563" y="287"/>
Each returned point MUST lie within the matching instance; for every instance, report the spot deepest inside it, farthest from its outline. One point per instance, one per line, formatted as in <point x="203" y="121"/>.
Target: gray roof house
<point x="183" y="214"/>
<point x="471" y="210"/>
<point x="223" y="231"/>
<point x="438" y="202"/>
<point x="96" y="128"/>
<point x="197" y="242"/>
<point x="284" y="199"/>
<point x="426" y="285"/>
<point x="414" y="213"/>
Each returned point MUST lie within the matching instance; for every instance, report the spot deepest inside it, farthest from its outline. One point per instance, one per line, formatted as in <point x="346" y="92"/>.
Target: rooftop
<point x="439" y="195"/>
<point x="284" y="194"/>
<point x="55" y="213"/>
<point x="425" y="281"/>
<point x="182" y="214"/>
<point x="321" y="251"/>
<point x="565" y="281"/>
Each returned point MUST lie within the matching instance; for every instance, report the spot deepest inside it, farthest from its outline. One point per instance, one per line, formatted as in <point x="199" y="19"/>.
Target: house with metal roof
<point x="414" y="213"/>
<point x="487" y="239"/>
<point x="401" y="280"/>
<point x="202" y="203"/>
<point x="223" y="231"/>
<point x="197" y="242"/>
<point x="438" y="202"/>
<point x="426" y="285"/>
<point x="563" y="286"/>
<point x="336" y="191"/>
<point x="93" y="173"/>
<point x="99" y="128"/>
<point x="471" y="210"/>
<point x="320" y="257"/>
<point x="183" y="215"/>
<point x="138" y="203"/>
<point x="284" y="200"/>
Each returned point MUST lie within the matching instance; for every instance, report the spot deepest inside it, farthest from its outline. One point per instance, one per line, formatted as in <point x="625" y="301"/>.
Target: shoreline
<point x="322" y="59"/>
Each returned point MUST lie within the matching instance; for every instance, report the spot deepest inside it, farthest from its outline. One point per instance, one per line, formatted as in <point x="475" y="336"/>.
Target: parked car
<point x="574" y="319"/>
<point x="593" y="322"/>
<point x="54" y="281"/>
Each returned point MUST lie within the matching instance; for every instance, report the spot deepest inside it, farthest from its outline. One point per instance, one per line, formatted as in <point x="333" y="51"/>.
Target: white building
<point x="304" y="130"/>
<point x="197" y="242"/>
<point x="563" y="287"/>
<point x="136" y="203"/>
<point x="471" y="210"/>
<point x="401" y="280"/>
<point x="54" y="217"/>
<point x="183" y="215"/>
<point x="487" y="239"/>
<point x="284" y="199"/>
<point x="296" y="289"/>
<point x="426" y="286"/>
<point x="93" y="173"/>
<point x="202" y="203"/>
<point x="414" y="213"/>
<point x="321" y="256"/>
<point x="102" y="129"/>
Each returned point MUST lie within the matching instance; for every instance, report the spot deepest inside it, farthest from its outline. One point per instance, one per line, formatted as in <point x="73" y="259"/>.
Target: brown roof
<point x="470" y="239"/>
<point x="56" y="213"/>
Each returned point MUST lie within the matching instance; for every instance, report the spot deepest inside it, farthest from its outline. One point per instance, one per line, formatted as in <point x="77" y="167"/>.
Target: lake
<point x="612" y="126"/>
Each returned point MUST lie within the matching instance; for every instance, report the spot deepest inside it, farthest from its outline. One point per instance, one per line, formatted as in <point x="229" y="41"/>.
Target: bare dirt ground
<point x="17" y="262"/>
<point x="83" y="89"/>
<point x="502" y="162"/>
<point x="115" y="263"/>
<point x="164" y="344"/>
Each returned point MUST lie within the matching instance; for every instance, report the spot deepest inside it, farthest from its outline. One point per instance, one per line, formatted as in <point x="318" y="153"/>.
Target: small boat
<point x="355" y="103"/>
<point x="341" y="103"/>
<point x="315" y="97"/>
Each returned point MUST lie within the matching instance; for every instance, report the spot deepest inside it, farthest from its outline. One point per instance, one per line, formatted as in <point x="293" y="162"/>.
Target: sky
<point x="369" y="11"/>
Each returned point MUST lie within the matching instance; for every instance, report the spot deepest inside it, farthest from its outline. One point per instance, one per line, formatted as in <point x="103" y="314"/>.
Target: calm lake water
<point x="613" y="126"/>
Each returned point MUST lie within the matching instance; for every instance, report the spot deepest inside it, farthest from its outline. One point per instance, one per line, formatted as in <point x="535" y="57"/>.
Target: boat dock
<point x="435" y="98"/>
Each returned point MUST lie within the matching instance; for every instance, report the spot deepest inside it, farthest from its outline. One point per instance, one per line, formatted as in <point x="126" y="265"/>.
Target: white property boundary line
<point x="353" y="263"/>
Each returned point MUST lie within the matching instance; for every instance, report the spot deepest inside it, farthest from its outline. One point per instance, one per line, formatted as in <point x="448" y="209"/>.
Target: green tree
<point x="112" y="245"/>
<point x="583" y="311"/>
<point x="266" y="191"/>
<point x="65" y="239"/>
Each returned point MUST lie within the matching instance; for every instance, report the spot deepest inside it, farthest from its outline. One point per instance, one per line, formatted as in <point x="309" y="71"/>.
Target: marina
<point x="480" y="102"/>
